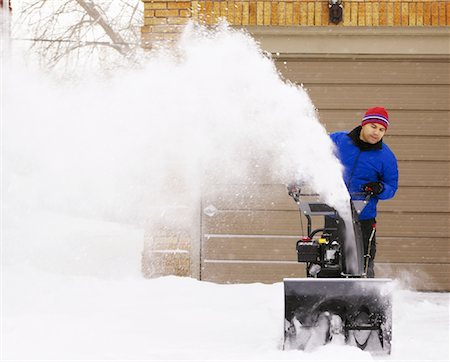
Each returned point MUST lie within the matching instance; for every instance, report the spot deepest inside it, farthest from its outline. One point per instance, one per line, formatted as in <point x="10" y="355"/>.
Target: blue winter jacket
<point x="365" y="163"/>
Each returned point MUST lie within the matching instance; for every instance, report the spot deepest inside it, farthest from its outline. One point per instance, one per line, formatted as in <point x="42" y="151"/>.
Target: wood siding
<point x="252" y="236"/>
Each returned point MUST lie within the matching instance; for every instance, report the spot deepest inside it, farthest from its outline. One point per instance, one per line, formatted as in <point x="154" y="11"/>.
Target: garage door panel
<point x="410" y="148"/>
<point x="403" y="122"/>
<point x="414" y="97"/>
<point x="412" y="173"/>
<point x="432" y="277"/>
<point x="423" y="199"/>
<point x="253" y="223"/>
<point x="392" y="224"/>
<point x="424" y="173"/>
<point x="413" y="250"/>
<point x="365" y="72"/>
<point x="425" y="277"/>
<point x="249" y="197"/>
<point x="275" y="197"/>
<point x="237" y="247"/>
<point x="262" y="272"/>
<point x="405" y="224"/>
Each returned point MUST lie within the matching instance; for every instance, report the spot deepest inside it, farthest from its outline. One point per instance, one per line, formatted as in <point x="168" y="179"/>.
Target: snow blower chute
<point x="335" y="303"/>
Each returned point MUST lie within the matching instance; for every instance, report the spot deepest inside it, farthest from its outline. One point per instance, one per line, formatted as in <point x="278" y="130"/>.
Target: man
<point x="370" y="167"/>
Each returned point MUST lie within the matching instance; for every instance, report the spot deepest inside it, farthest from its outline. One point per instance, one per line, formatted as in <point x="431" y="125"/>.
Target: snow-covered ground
<point x="71" y="290"/>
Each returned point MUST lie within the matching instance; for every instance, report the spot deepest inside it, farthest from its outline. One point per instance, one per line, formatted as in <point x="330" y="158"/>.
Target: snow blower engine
<point x="335" y="303"/>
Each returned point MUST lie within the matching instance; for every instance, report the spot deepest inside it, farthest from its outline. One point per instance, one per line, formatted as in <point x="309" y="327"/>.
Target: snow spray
<point x="114" y="149"/>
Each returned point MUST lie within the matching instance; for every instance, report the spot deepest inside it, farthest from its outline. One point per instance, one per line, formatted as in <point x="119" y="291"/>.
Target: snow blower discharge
<point x="335" y="303"/>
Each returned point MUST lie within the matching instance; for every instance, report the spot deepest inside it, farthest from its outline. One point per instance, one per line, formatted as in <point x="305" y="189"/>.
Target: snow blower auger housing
<point x="335" y="303"/>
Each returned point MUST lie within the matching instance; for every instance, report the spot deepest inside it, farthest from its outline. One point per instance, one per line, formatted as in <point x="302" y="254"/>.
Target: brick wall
<point x="165" y="19"/>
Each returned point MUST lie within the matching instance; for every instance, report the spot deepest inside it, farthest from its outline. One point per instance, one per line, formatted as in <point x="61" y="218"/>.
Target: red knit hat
<point x="376" y="115"/>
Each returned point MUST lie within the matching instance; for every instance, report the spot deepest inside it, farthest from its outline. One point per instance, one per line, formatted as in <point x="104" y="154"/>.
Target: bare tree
<point x="77" y="32"/>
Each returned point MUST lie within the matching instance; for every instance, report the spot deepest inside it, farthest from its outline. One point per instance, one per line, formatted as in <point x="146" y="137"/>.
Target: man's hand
<point x="373" y="188"/>
<point x="294" y="190"/>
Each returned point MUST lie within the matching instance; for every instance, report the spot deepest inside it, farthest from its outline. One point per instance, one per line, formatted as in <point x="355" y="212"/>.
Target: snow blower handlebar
<point x="338" y="252"/>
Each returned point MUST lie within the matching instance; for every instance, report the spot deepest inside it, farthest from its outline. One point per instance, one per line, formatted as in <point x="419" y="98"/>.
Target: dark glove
<point x="294" y="190"/>
<point x="373" y="188"/>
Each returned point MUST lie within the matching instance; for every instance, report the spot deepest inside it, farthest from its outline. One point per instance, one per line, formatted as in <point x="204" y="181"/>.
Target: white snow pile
<point x="82" y="165"/>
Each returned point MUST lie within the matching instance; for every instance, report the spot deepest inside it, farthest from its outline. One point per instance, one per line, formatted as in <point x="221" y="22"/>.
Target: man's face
<point x="372" y="132"/>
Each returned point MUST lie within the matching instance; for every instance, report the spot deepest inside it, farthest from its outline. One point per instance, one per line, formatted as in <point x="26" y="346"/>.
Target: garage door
<point x="256" y="242"/>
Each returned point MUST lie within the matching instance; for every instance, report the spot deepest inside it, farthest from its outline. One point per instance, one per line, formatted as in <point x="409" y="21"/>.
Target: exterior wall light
<point x="335" y="11"/>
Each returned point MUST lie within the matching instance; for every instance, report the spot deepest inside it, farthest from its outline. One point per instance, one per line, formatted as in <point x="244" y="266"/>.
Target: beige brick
<point x="267" y="12"/>
<point x="155" y="5"/>
<point x="318" y="14"/>
<point x="148" y="40"/>
<point x="166" y="36"/>
<point x="397" y="14"/>
<point x="376" y="14"/>
<point x="157" y="264"/>
<point x="223" y="9"/>
<point x="390" y="14"/>
<point x="155" y="21"/>
<point x="202" y="11"/>
<point x="179" y="5"/>
<point x="362" y="14"/>
<point x="167" y="28"/>
<point x="297" y="12"/>
<point x="166" y="13"/>
<point x="259" y="13"/>
<point x="146" y="29"/>
<point x="245" y="12"/>
<point x="426" y="14"/>
<point x="310" y="13"/>
<point x="185" y="13"/>
<point x="383" y="14"/>
<point x="442" y="15"/>
<point x="325" y="14"/>
<point x="419" y="14"/>
<point x="412" y="14"/>
<point x="289" y="13"/>
<point x="369" y="14"/>
<point x="238" y="13"/>
<point x="208" y="12"/>
<point x="434" y="13"/>
<point x="177" y="21"/>
<point x="354" y="14"/>
<point x="448" y="14"/>
<point x="216" y="12"/>
<point x="303" y="13"/>
<point x="274" y="13"/>
<point x="160" y="242"/>
<point x="252" y="13"/>
<point x="347" y="12"/>
<point x="231" y="11"/>
<point x="405" y="14"/>
<point x="195" y="10"/>
<point x="282" y="13"/>
<point x="149" y="14"/>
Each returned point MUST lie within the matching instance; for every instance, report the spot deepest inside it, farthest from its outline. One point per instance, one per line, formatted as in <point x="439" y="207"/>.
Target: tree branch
<point x="116" y="38"/>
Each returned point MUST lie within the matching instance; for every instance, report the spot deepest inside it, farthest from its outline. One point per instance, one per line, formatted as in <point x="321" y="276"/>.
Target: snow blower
<point x="335" y="303"/>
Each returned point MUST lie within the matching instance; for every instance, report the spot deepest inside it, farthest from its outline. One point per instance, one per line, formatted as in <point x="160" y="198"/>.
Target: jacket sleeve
<point x="334" y="137"/>
<point x="389" y="178"/>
